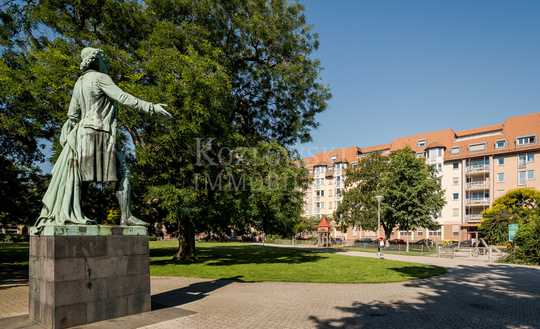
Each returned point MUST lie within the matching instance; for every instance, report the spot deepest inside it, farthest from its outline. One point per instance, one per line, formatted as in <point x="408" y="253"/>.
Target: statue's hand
<point x="160" y="109"/>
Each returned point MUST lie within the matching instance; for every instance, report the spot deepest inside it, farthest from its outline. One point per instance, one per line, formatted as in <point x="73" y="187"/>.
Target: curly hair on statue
<point x="89" y="55"/>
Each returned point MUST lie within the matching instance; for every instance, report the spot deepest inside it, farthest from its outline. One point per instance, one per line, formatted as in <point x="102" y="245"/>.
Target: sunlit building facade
<point x="475" y="166"/>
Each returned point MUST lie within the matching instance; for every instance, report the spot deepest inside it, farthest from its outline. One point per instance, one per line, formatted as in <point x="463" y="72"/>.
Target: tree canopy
<point x="235" y="73"/>
<point x="412" y="193"/>
<point x="515" y="207"/>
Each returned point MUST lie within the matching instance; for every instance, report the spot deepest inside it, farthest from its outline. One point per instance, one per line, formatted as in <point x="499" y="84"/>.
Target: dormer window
<point x="477" y="147"/>
<point x="421" y="143"/>
<point x="526" y="140"/>
<point x="500" y="144"/>
<point x="454" y="150"/>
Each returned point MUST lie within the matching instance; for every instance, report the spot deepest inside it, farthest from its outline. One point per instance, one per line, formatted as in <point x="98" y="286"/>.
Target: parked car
<point x="468" y="243"/>
<point x="397" y="241"/>
<point x="426" y="242"/>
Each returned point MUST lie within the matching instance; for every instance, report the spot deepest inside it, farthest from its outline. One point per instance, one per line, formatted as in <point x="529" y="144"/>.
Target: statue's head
<point x="93" y="58"/>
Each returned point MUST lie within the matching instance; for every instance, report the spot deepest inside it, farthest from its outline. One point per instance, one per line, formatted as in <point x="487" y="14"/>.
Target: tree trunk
<point x="186" y="241"/>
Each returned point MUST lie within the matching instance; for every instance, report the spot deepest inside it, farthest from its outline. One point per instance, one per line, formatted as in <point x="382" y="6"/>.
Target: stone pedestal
<point x="86" y="273"/>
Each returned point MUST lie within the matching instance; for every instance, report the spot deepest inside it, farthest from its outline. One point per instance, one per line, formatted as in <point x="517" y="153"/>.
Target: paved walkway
<point x="468" y="296"/>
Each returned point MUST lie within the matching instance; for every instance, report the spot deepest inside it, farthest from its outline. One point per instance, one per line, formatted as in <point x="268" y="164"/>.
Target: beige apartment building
<point x="476" y="166"/>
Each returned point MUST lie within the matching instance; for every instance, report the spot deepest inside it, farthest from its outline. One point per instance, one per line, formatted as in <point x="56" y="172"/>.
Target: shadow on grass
<point x="237" y="255"/>
<point x="488" y="296"/>
<point x="191" y="293"/>
<point x="420" y="272"/>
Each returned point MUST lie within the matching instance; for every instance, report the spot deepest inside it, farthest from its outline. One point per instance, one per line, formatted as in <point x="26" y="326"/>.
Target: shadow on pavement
<point x="491" y="296"/>
<point x="191" y="293"/>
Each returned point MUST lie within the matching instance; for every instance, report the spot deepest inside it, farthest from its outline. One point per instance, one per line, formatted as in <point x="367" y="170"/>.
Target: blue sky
<point x="400" y="67"/>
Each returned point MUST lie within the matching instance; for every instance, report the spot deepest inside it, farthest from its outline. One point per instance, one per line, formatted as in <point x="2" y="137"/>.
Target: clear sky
<point x="398" y="67"/>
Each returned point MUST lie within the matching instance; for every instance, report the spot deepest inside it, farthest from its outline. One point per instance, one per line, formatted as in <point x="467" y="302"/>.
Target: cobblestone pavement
<point x="468" y="296"/>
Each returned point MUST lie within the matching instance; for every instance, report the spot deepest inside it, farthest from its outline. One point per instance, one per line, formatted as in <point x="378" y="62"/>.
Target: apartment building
<point x="476" y="166"/>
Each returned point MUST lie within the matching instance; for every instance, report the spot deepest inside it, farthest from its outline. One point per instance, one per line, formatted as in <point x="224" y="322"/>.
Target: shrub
<point x="513" y="207"/>
<point x="527" y="241"/>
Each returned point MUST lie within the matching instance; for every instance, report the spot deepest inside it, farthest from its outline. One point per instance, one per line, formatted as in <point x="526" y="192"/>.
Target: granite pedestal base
<point x="81" y="274"/>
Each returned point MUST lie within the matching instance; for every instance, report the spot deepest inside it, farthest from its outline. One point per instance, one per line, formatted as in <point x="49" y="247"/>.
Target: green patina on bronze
<point x="89" y="152"/>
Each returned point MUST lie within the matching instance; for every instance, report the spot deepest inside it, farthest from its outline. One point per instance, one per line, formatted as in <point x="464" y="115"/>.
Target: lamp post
<point x="379" y="199"/>
<point x="379" y="240"/>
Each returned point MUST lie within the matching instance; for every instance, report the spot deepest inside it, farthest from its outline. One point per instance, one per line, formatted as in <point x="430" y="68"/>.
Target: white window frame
<point x="525" y="137"/>
<point x="524" y="180"/>
<point x="499" y="176"/>
<point x="497" y="144"/>
<point x="477" y="144"/>
<point x="529" y="176"/>
<point x="421" y="143"/>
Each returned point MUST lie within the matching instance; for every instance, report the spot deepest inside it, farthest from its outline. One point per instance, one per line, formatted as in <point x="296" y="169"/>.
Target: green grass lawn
<point x="247" y="262"/>
<point x="13" y="262"/>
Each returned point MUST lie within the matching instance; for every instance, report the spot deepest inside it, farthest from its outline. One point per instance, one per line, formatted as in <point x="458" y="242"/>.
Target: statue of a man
<point x="90" y="152"/>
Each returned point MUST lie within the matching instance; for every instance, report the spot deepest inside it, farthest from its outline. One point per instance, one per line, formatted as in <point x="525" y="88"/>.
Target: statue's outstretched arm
<point x="114" y="92"/>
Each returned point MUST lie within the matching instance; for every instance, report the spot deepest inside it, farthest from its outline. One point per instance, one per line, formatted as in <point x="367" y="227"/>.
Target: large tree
<point x="515" y="207"/>
<point x="235" y="74"/>
<point x="363" y="182"/>
<point x="412" y="193"/>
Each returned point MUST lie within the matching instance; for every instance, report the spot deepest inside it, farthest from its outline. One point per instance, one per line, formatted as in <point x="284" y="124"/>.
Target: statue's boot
<point x="126" y="218"/>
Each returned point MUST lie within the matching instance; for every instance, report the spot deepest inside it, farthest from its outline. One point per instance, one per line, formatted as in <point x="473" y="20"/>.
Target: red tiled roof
<point x="512" y="128"/>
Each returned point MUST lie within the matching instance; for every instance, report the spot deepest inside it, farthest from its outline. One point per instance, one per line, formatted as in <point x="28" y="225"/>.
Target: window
<point x="522" y="159"/>
<point x="419" y="233"/>
<point x="500" y="144"/>
<point x="530" y="157"/>
<point x="454" y="150"/>
<point x="455" y="196"/>
<point x="435" y="233"/>
<point x="320" y="170"/>
<point x="319" y="193"/>
<point x="340" y="165"/>
<point x="338" y="192"/>
<point x="318" y="205"/>
<point x="500" y="161"/>
<point x="500" y="177"/>
<point x="526" y="140"/>
<point x="522" y="177"/>
<point x="421" y="143"/>
<point x="530" y="174"/>
<point x="455" y="180"/>
<point x="477" y="147"/>
<point x="455" y="212"/>
<point x="420" y="154"/>
<point x="333" y="158"/>
<point x="455" y="165"/>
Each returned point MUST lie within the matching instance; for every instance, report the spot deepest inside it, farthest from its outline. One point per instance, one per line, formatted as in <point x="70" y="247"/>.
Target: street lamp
<point x="379" y="199"/>
<point x="379" y="241"/>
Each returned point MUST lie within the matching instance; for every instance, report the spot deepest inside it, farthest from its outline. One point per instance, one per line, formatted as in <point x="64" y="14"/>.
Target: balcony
<point x="477" y="169"/>
<point x="478" y="185"/>
<point x="477" y="202"/>
<point x="473" y="217"/>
